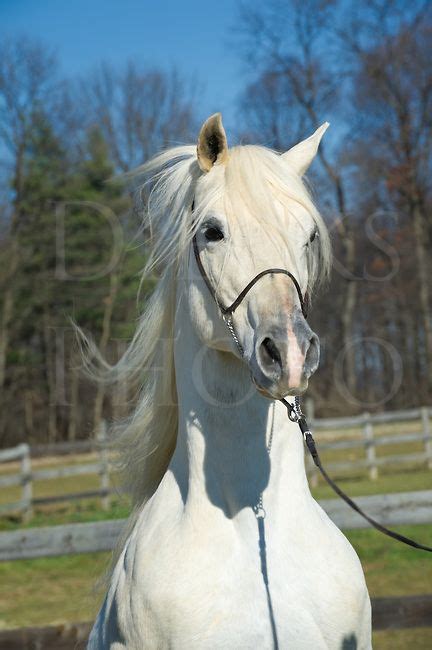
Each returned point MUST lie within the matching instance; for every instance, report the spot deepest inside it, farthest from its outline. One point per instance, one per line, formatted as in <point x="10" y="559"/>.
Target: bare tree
<point x="139" y="111"/>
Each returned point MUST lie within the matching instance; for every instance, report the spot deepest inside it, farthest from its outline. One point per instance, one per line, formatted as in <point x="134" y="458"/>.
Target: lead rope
<point x="296" y="415"/>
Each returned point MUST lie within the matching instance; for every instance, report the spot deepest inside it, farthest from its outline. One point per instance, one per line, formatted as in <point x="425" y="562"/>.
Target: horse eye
<point x="213" y="233"/>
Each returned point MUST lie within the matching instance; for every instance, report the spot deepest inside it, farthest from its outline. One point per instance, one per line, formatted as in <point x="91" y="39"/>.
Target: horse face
<point x="251" y="226"/>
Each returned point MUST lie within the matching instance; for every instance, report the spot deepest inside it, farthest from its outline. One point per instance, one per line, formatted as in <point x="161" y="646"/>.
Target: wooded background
<point x="71" y="240"/>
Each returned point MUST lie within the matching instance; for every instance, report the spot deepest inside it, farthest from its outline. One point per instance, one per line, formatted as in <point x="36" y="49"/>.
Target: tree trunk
<point x="51" y="380"/>
<point x="103" y="343"/>
<point x="8" y="288"/>
<point x="347" y="318"/>
<point x="120" y="394"/>
<point x="409" y="344"/>
<point x="11" y="267"/>
<point x="28" y="415"/>
<point x="8" y="307"/>
<point x="73" y="411"/>
<point x="422" y="269"/>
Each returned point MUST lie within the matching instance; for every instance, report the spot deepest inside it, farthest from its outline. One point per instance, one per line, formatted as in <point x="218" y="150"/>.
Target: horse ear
<point x="212" y="143"/>
<point x="301" y="155"/>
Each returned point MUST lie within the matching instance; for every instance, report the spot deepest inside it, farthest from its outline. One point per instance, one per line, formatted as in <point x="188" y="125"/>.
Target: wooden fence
<point x="70" y="539"/>
<point x="360" y="432"/>
<point x="27" y="476"/>
<point x="368" y="440"/>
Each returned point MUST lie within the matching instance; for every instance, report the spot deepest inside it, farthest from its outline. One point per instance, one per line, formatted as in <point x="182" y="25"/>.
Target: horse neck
<point x="221" y="458"/>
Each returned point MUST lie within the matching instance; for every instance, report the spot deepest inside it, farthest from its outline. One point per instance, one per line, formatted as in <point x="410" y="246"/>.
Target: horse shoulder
<point x="344" y="579"/>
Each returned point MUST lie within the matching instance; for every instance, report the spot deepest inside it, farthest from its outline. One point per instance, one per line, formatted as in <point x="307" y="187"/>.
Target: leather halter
<point x="228" y="311"/>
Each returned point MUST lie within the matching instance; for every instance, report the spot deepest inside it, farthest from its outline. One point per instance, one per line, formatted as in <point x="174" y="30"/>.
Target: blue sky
<point x="193" y="35"/>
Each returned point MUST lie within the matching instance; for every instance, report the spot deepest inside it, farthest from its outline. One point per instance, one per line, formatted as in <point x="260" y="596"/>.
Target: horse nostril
<point x="270" y="356"/>
<point x="312" y="355"/>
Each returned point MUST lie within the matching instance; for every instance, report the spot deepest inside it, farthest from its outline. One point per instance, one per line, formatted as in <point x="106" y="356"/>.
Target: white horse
<point x="226" y="548"/>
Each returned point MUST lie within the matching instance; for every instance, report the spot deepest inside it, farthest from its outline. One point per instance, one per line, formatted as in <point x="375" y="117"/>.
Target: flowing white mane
<point x="253" y="177"/>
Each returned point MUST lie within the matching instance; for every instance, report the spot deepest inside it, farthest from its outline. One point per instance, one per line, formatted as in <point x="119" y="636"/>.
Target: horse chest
<point x="215" y="591"/>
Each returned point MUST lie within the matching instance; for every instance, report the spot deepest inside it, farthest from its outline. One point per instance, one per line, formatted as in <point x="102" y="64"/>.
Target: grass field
<point x="54" y="590"/>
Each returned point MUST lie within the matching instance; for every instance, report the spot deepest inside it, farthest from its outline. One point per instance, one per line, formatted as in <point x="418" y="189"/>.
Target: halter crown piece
<point x="294" y="411"/>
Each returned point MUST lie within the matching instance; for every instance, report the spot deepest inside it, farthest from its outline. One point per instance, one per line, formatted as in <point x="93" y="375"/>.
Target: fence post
<point x="427" y="435"/>
<point x="104" y="462"/>
<point x="368" y="434"/>
<point x="26" y="483"/>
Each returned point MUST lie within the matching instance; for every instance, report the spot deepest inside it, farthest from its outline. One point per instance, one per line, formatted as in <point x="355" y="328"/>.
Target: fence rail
<point x="27" y="476"/>
<point x="376" y="418"/>
<point x="67" y="539"/>
<point x="368" y="440"/>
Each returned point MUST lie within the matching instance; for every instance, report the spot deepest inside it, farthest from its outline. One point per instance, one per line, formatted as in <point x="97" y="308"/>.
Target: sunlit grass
<point x="74" y="512"/>
<point x="50" y="590"/>
<point x="391" y="568"/>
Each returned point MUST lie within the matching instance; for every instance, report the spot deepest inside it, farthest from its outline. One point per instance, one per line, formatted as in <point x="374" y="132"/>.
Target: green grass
<point x="50" y="590"/>
<point x="391" y="568"/>
<point x="76" y="512"/>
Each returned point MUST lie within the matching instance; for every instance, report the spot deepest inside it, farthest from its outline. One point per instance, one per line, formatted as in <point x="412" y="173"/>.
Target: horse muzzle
<point x="284" y="358"/>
